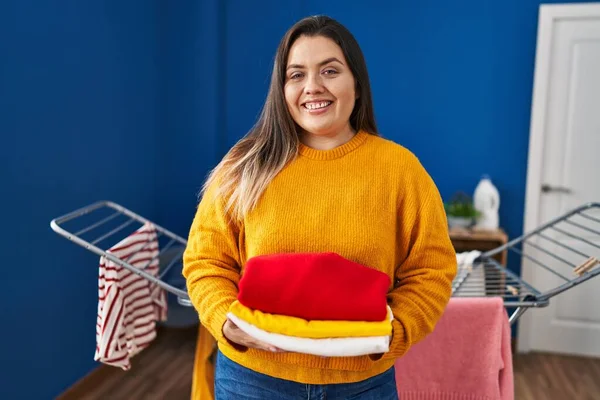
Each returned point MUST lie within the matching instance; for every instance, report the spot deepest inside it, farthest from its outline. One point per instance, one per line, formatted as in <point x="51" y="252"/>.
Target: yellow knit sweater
<point x="369" y="200"/>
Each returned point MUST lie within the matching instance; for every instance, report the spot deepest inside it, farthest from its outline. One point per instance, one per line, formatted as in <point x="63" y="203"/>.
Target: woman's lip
<point x="317" y="101"/>
<point x="317" y="111"/>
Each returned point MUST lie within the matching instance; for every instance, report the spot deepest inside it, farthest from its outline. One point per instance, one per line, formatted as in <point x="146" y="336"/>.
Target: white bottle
<point x="486" y="200"/>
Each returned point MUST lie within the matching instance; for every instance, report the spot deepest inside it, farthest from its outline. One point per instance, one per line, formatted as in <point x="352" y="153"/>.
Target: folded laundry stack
<point x="314" y="303"/>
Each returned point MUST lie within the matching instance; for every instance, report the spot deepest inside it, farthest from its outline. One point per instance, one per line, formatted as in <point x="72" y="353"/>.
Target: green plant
<point x="461" y="205"/>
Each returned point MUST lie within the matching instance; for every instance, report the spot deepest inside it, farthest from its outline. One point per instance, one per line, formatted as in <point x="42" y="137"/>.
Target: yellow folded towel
<point x="316" y="329"/>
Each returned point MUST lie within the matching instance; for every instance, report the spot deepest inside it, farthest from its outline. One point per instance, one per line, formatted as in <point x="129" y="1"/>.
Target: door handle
<point x="547" y="189"/>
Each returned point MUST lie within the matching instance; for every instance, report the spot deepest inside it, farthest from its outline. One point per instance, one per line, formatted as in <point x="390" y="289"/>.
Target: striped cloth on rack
<point x="128" y="305"/>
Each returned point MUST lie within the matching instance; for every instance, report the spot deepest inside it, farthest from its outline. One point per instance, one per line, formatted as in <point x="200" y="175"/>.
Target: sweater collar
<point x="358" y="139"/>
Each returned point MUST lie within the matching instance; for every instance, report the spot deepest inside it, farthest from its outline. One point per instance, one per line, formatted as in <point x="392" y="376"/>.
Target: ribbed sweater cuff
<point x="440" y="396"/>
<point x="218" y="320"/>
<point x="215" y="314"/>
<point x="398" y="344"/>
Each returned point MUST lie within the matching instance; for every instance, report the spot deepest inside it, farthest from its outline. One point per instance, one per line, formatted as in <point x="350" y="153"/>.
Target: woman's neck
<point x="327" y="142"/>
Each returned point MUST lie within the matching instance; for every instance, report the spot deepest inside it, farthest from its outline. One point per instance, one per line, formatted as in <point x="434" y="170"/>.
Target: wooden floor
<point x="164" y="370"/>
<point x="548" y="376"/>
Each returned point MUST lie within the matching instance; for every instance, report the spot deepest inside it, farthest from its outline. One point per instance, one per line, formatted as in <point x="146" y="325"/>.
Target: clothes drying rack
<point x="561" y="253"/>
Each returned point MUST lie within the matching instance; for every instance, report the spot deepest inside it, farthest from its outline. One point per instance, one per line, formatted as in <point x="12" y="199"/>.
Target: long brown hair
<point x="246" y="170"/>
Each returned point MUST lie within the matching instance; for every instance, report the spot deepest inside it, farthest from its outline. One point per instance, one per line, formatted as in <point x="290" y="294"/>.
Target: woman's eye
<point x="330" y="72"/>
<point x="295" y="75"/>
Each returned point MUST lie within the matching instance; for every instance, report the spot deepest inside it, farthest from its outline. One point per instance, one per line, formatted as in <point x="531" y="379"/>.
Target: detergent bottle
<point x="486" y="200"/>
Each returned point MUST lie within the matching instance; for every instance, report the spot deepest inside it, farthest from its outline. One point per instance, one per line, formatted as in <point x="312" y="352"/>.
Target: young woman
<point x="314" y="176"/>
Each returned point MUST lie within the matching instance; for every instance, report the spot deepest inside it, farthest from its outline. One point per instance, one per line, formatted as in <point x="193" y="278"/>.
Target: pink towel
<point x="467" y="356"/>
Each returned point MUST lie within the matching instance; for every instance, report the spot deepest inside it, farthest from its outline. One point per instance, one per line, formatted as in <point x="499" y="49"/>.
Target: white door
<point x="564" y="172"/>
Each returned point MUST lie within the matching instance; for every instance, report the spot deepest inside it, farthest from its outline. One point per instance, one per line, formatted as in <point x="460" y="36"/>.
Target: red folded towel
<point x="314" y="286"/>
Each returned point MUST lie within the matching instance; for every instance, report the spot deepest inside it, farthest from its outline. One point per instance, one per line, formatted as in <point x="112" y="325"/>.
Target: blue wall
<point x="191" y="106"/>
<point x="78" y="119"/>
<point x="95" y="96"/>
<point x="104" y="100"/>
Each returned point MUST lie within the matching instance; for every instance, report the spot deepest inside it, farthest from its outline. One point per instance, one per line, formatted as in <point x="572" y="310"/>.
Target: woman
<point x="314" y="176"/>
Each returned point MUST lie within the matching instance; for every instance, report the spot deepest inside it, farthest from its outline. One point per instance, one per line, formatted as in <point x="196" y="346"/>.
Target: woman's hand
<point x="238" y="336"/>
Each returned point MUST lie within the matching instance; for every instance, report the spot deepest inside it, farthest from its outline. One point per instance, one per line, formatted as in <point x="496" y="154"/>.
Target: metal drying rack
<point x="91" y="227"/>
<point x="561" y="253"/>
<point x="567" y="248"/>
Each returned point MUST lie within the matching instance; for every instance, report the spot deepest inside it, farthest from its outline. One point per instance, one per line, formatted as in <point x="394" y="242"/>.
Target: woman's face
<point x="319" y="87"/>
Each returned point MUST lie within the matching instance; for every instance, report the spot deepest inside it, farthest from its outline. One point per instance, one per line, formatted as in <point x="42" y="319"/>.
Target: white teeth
<point x="315" y="106"/>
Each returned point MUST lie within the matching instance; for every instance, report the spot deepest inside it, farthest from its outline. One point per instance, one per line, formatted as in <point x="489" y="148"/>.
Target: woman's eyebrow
<point x="326" y="61"/>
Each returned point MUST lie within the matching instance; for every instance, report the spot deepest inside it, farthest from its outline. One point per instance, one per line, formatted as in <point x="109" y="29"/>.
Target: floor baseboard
<point x="88" y="383"/>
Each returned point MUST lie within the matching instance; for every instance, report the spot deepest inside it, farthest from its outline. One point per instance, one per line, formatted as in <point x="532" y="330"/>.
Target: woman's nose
<point x="314" y="84"/>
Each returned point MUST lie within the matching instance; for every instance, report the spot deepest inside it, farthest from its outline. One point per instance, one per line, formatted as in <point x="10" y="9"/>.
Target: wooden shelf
<point x="482" y="240"/>
<point x="477" y="234"/>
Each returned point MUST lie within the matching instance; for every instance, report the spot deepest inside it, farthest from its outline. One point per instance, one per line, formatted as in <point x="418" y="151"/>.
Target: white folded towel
<point x="329" y="347"/>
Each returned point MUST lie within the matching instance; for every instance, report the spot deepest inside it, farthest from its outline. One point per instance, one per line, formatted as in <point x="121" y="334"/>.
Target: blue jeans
<point x="235" y="382"/>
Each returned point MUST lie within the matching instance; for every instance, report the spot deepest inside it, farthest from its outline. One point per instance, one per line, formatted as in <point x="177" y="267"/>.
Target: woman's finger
<point x="265" y="346"/>
<point x="240" y="337"/>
